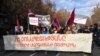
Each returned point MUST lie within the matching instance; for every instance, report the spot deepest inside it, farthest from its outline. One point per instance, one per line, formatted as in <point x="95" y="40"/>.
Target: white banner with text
<point x="44" y="20"/>
<point x="50" y="42"/>
<point x="33" y="21"/>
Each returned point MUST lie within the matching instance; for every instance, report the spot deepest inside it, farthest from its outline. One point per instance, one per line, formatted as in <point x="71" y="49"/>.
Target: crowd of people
<point x="72" y="29"/>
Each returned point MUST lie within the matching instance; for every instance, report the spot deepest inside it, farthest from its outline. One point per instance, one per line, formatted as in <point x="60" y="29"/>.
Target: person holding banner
<point x="37" y="30"/>
<point x="45" y="31"/>
<point x="74" y="28"/>
<point x="69" y="30"/>
<point x="62" y="30"/>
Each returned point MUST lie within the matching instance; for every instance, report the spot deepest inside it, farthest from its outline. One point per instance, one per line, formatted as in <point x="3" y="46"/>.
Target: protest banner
<point x="17" y="30"/>
<point x="44" y="20"/>
<point x="33" y="21"/>
<point x="50" y="42"/>
<point x="80" y="20"/>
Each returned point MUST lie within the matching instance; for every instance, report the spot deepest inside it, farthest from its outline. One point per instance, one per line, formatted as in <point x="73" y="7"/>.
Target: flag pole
<point x="28" y="24"/>
<point x="29" y="14"/>
<point x="28" y="30"/>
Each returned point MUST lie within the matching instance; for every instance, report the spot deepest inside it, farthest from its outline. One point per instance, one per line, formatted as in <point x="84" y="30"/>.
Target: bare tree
<point x="63" y="16"/>
<point x="20" y="8"/>
<point x="96" y="14"/>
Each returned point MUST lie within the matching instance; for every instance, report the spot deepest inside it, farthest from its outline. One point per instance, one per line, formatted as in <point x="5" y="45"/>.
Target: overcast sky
<point x="83" y="7"/>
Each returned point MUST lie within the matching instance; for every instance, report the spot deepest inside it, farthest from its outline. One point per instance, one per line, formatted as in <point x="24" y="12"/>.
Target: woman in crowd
<point x="68" y="30"/>
<point x="74" y="28"/>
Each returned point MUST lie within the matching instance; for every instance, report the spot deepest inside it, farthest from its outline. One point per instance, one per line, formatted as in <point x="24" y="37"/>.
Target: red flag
<point x="18" y="26"/>
<point x="71" y="19"/>
<point x="56" y="23"/>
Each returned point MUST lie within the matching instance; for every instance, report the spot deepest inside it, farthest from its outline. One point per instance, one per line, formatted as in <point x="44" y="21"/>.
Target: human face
<point x="68" y="29"/>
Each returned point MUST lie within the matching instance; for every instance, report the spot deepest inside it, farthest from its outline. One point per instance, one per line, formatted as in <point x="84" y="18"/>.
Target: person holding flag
<point x="70" y="23"/>
<point x="18" y="28"/>
<point x="30" y="27"/>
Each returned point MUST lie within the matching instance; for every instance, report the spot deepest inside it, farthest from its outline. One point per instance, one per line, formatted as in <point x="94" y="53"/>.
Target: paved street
<point x="95" y="52"/>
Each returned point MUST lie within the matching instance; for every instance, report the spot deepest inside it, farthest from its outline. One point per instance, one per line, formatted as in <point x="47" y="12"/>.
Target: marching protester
<point x="74" y="28"/>
<point x="51" y="30"/>
<point x="98" y="37"/>
<point x="55" y="30"/>
<point x="28" y="31"/>
<point x="68" y="30"/>
<point x="86" y="29"/>
<point x="95" y="30"/>
<point x="81" y="29"/>
<point x="91" y="28"/>
<point x="38" y="30"/>
<point x="48" y="30"/>
<point x="34" y="32"/>
<point x="62" y="30"/>
<point x="45" y="31"/>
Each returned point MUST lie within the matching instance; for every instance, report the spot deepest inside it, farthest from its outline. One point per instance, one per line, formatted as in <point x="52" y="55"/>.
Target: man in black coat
<point x="95" y="30"/>
<point x="98" y="37"/>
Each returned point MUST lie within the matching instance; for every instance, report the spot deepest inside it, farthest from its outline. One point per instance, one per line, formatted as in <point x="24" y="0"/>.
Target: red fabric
<point x="18" y="25"/>
<point x="71" y="19"/>
<point x="56" y="23"/>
